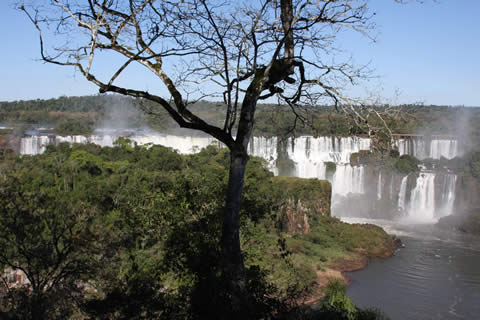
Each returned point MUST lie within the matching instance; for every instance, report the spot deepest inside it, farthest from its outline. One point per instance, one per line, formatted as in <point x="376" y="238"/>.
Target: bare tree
<point x="238" y="51"/>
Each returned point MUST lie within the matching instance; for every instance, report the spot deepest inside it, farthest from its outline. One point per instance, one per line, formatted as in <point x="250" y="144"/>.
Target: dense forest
<point x="82" y="115"/>
<point x="132" y="233"/>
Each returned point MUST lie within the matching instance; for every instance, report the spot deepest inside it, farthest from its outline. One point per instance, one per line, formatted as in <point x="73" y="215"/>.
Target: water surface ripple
<point x="436" y="275"/>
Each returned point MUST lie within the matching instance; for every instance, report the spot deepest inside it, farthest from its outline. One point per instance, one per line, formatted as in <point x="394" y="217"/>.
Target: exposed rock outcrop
<point x="300" y="202"/>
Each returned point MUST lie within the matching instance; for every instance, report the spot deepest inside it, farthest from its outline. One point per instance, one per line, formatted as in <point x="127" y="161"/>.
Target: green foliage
<point x="471" y="164"/>
<point x="331" y="167"/>
<point x="363" y="157"/>
<point x="406" y="164"/>
<point x="150" y="217"/>
<point x="46" y="230"/>
<point x="124" y="143"/>
<point x="336" y="300"/>
<point x="394" y="153"/>
<point x="136" y="231"/>
<point x="336" y="306"/>
<point x="285" y="166"/>
<point x="301" y="189"/>
<point x="74" y="127"/>
<point x="270" y="120"/>
<point x="331" y="240"/>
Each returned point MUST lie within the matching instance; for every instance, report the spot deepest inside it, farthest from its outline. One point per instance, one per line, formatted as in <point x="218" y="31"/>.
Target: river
<point x="435" y="276"/>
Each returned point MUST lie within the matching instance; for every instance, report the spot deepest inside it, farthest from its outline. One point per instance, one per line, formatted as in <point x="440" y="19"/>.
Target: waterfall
<point x="323" y="149"/>
<point x="444" y="148"/>
<point x="403" y="193"/>
<point x="379" y="186"/>
<point x="448" y="195"/>
<point x="422" y="205"/>
<point x="348" y="179"/>
<point x="422" y="199"/>
<point x="308" y="155"/>
<point x="301" y="149"/>
<point x="265" y="148"/>
<point x="34" y="144"/>
<point x="417" y="147"/>
<point x="183" y="144"/>
<point x="391" y="194"/>
<point x="311" y="154"/>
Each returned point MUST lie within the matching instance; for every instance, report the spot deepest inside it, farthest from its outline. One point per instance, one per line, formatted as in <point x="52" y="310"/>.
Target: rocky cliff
<point x="301" y="202"/>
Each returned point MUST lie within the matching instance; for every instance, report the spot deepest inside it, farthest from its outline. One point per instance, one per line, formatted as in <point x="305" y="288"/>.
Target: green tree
<point x="246" y="51"/>
<point x="47" y="235"/>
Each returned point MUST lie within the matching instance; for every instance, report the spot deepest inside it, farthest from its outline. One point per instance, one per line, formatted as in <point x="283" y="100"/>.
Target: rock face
<point x="300" y="202"/>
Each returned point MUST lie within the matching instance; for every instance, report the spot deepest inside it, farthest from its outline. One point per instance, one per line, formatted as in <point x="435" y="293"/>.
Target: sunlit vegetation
<point x="270" y="120"/>
<point x="132" y="233"/>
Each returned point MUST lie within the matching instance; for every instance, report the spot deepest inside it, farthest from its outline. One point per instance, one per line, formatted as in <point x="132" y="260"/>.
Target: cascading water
<point x="391" y="193"/>
<point x="435" y="148"/>
<point x="448" y="195"/>
<point x="34" y="144"/>
<point x="423" y="205"/>
<point x="348" y="179"/>
<point x="309" y="156"/>
<point x="444" y="148"/>
<point x="379" y="186"/>
<point x="183" y="144"/>
<point x="412" y="146"/>
<point x="403" y="193"/>
<point x="422" y="198"/>
<point x="265" y="148"/>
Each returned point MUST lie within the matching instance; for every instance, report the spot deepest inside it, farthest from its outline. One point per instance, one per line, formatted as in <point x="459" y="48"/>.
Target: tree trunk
<point x="37" y="306"/>
<point x="232" y="259"/>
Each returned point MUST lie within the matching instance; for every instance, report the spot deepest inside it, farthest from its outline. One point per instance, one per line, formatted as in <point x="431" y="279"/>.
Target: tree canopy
<point x="240" y="51"/>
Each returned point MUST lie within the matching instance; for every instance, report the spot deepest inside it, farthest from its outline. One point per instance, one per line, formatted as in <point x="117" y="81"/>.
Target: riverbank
<point x="435" y="276"/>
<point x="342" y="248"/>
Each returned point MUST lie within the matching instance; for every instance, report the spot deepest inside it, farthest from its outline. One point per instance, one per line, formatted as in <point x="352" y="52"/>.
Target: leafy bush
<point x="331" y="168"/>
<point x="141" y="228"/>
<point x="74" y="127"/>
<point x="406" y="164"/>
<point x="337" y="302"/>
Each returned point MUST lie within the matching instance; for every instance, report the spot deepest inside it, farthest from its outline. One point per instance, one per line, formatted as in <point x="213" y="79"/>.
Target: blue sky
<point x="426" y="53"/>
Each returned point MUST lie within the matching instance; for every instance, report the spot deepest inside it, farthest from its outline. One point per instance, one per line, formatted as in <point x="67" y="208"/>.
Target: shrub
<point x="407" y="164"/>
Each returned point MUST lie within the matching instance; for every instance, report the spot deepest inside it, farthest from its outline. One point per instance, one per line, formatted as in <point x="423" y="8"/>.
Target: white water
<point x="265" y="148"/>
<point x="444" y="148"/>
<point x="417" y="147"/>
<point x="403" y="193"/>
<point x="309" y="155"/>
<point x="422" y="206"/>
<point x="391" y="193"/>
<point x="448" y="195"/>
<point x="379" y="186"/>
<point x="422" y="198"/>
<point x="183" y="144"/>
<point x="348" y="179"/>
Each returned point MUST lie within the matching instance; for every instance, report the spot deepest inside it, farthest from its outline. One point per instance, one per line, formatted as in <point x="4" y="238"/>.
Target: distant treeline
<point x="76" y="115"/>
